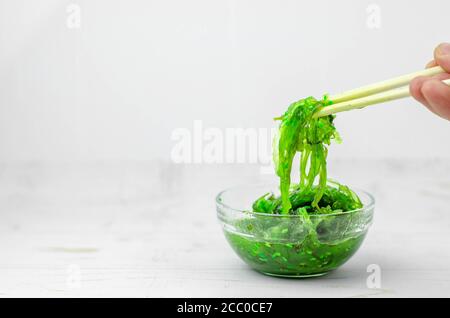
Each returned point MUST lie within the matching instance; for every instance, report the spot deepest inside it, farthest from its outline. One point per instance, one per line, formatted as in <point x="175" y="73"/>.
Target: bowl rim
<point x="366" y="207"/>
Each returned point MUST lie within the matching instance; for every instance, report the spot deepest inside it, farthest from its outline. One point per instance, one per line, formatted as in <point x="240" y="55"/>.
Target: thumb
<point x="442" y="56"/>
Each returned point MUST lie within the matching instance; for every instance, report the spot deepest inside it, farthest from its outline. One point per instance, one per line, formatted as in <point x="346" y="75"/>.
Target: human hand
<point x="430" y="91"/>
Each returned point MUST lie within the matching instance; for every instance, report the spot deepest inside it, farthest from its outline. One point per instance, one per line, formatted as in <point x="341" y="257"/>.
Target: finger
<point x="442" y="56"/>
<point x="415" y="89"/>
<point x="416" y="85"/>
<point x="437" y="95"/>
<point x="431" y="64"/>
<point x="442" y="76"/>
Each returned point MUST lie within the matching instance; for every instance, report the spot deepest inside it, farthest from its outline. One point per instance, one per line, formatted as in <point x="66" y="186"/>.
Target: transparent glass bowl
<point x="291" y="246"/>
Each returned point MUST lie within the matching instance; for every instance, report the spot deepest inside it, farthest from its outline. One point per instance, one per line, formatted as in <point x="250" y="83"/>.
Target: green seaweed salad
<point x="322" y="236"/>
<point x="300" y="132"/>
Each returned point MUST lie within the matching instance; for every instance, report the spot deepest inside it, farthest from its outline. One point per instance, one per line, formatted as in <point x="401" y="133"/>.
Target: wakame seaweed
<point x="305" y="231"/>
<point x="300" y="132"/>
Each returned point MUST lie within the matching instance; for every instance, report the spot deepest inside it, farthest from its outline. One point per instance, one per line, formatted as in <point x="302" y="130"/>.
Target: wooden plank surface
<point x="148" y="229"/>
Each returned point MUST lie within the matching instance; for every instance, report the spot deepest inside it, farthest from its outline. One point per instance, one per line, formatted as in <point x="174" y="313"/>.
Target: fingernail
<point x="444" y="49"/>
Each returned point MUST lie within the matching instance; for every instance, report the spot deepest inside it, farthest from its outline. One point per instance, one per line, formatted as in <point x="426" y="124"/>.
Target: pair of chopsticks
<point x="377" y="93"/>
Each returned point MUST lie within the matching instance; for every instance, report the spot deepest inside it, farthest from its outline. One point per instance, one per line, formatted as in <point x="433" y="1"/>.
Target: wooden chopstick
<point x="367" y="101"/>
<point x="384" y="85"/>
<point x="376" y="93"/>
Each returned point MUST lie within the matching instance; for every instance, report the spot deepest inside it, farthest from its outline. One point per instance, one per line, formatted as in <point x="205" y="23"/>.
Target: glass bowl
<point x="291" y="245"/>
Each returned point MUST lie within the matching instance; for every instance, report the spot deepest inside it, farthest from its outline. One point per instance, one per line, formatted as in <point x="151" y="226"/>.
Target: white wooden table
<point x="149" y="230"/>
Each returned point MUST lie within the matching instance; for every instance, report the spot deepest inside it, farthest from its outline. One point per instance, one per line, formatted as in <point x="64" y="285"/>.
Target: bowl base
<point x="294" y="275"/>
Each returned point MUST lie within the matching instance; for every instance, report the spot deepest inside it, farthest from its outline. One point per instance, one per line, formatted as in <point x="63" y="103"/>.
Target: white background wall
<point x="116" y="88"/>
